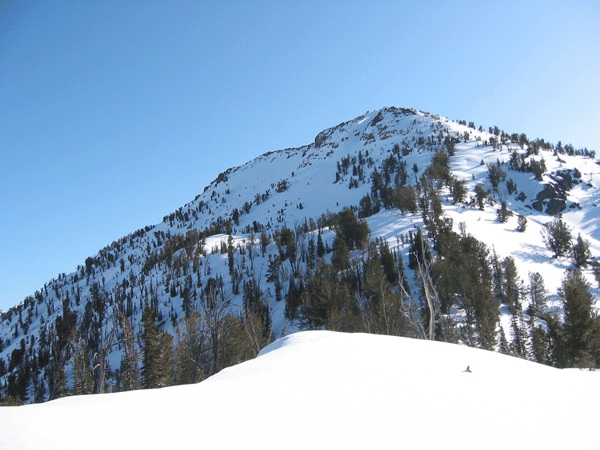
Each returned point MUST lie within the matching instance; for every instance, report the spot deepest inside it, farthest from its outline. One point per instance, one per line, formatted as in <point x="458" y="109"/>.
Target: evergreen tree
<point x="481" y="195"/>
<point x="596" y="272"/>
<point x="341" y="255"/>
<point x="498" y="278"/>
<point x="557" y="349"/>
<point x="191" y="344"/>
<point x="521" y="223"/>
<point x="458" y="190"/>
<point x="503" y="346"/>
<point x="388" y="263"/>
<point x="320" y="246"/>
<point x="245" y="337"/>
<point x="418" y="251"/>
<point x="463" y="277"/>
<point x="264" y="241"/>
<point x="157" y="353"/>
<point x="292" y="299"/>
<point x="83" y="381"/>
<point x="366" y="207"/>
<point x="55" y="371"/>
<point x="537" y="293"/>
<point x="383" y="309"/>
<point x="538" y="168"/>
<point x="581" y="252"/>
<point x="557" y="237"/>
<point x="579" y="318"/>
<point x="405" y="199"/>
<point x="130" y="372"/>
<point x="503" y="213"/>
<point x="355" y="232"/>
<point x="496" y="174"/>
<point x="273" y="272"/>
<point x="511" y="289"/>
<point x="540" y="351"/>
<point x="519" y="335"/>
<point x="215" y="308"/>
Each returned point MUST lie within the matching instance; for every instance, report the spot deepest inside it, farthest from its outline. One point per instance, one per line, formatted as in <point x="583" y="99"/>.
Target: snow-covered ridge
<point x="309" y="171"/>
<point x="333" y="390"/>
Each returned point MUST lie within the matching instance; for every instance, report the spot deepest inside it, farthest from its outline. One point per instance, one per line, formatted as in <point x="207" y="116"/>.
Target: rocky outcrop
<point x="553" y="198"/>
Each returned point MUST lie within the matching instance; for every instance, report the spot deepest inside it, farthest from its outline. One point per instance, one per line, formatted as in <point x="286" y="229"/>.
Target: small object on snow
<point x="467" y="369"/>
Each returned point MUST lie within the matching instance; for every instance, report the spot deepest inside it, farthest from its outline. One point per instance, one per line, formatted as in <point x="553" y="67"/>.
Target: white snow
<point x="321" y="389"/>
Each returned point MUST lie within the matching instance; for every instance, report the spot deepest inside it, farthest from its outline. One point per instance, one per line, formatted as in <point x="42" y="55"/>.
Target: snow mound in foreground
<point x="320" y="389"/>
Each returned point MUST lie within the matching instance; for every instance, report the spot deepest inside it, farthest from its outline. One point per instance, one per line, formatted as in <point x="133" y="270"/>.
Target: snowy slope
<point x="292" y="187"/>
<point x="332" y="390"/>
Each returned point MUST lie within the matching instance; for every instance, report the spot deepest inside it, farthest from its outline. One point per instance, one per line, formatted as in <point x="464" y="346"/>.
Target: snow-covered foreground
<point x="321" y="389"/>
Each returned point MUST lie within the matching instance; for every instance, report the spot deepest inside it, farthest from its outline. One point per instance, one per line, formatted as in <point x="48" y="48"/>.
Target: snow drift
<point x="321" y="389"/>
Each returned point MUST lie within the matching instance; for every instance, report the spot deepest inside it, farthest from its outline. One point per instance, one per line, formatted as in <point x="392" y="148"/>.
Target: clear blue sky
<point x="115" y="113"/>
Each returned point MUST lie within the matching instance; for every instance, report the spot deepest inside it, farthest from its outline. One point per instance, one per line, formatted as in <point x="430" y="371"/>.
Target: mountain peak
<point x="313" y="224"/>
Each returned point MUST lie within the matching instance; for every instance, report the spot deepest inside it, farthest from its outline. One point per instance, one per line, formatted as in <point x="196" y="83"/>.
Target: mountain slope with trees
<point x="397" y="222"/>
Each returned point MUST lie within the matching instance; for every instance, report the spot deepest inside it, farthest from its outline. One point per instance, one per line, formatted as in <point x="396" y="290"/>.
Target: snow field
<point x="322" y="389"/>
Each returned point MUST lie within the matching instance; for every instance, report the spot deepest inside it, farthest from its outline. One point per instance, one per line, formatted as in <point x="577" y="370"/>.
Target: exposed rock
<point x="564" y="179"/>
<point x="555" y="206"/>
<point x="554" y="195"/>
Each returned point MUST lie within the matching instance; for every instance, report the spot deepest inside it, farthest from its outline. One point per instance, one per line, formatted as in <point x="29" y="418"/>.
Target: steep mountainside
<point x="260" y="254"/>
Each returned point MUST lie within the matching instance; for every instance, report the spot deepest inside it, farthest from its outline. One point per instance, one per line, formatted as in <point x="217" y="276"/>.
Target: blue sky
<point x="115" y="113"/>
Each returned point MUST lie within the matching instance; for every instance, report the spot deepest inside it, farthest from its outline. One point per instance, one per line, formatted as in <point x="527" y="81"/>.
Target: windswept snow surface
<point x="320" y="389"/>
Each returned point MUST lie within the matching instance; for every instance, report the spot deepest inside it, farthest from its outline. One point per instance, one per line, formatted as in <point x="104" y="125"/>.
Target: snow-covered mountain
<point x="227" y="240"/>
<point x="320" y="389"/>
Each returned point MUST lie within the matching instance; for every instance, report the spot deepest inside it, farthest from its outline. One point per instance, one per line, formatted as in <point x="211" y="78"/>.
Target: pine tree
<point x="557" y="237"/>
<point x="537" y="292"/>
<point x="518" y="344"/>
<point x="579" y="317"/>
<point x="581" y="252"/>
<point x="481" y="195"/>
<point x="355" y="232"/>
<point x="292" y="300"/>
<point x="341" y="255"/>
<point x="540" y="351"/>
<point x="405" y="199"/>
<point x="191" y="343"/>
<point x="388" y="263"/>
<point x="502" y="342"/>
<point x="596" y="272"/>
<point x="418" y="251"/>
<point x="521" y="223"/>
<point x="511" y="283"/>
<point x="458" y="190"/>
<point x="157" y="354"/>
<point x="264" y="241"/>
<point x="130" y="372"/>
<point x="503" y="213"/>
<point x="83" y="381"/>
<point x="383" y="309"/>
<point x="320" y="246"/>
<point x="496" y="174"/>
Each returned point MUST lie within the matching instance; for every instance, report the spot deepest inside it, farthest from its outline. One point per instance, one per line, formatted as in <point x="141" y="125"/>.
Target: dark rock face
<point x="555" y="206"/>
<point x="554" y="195"/>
